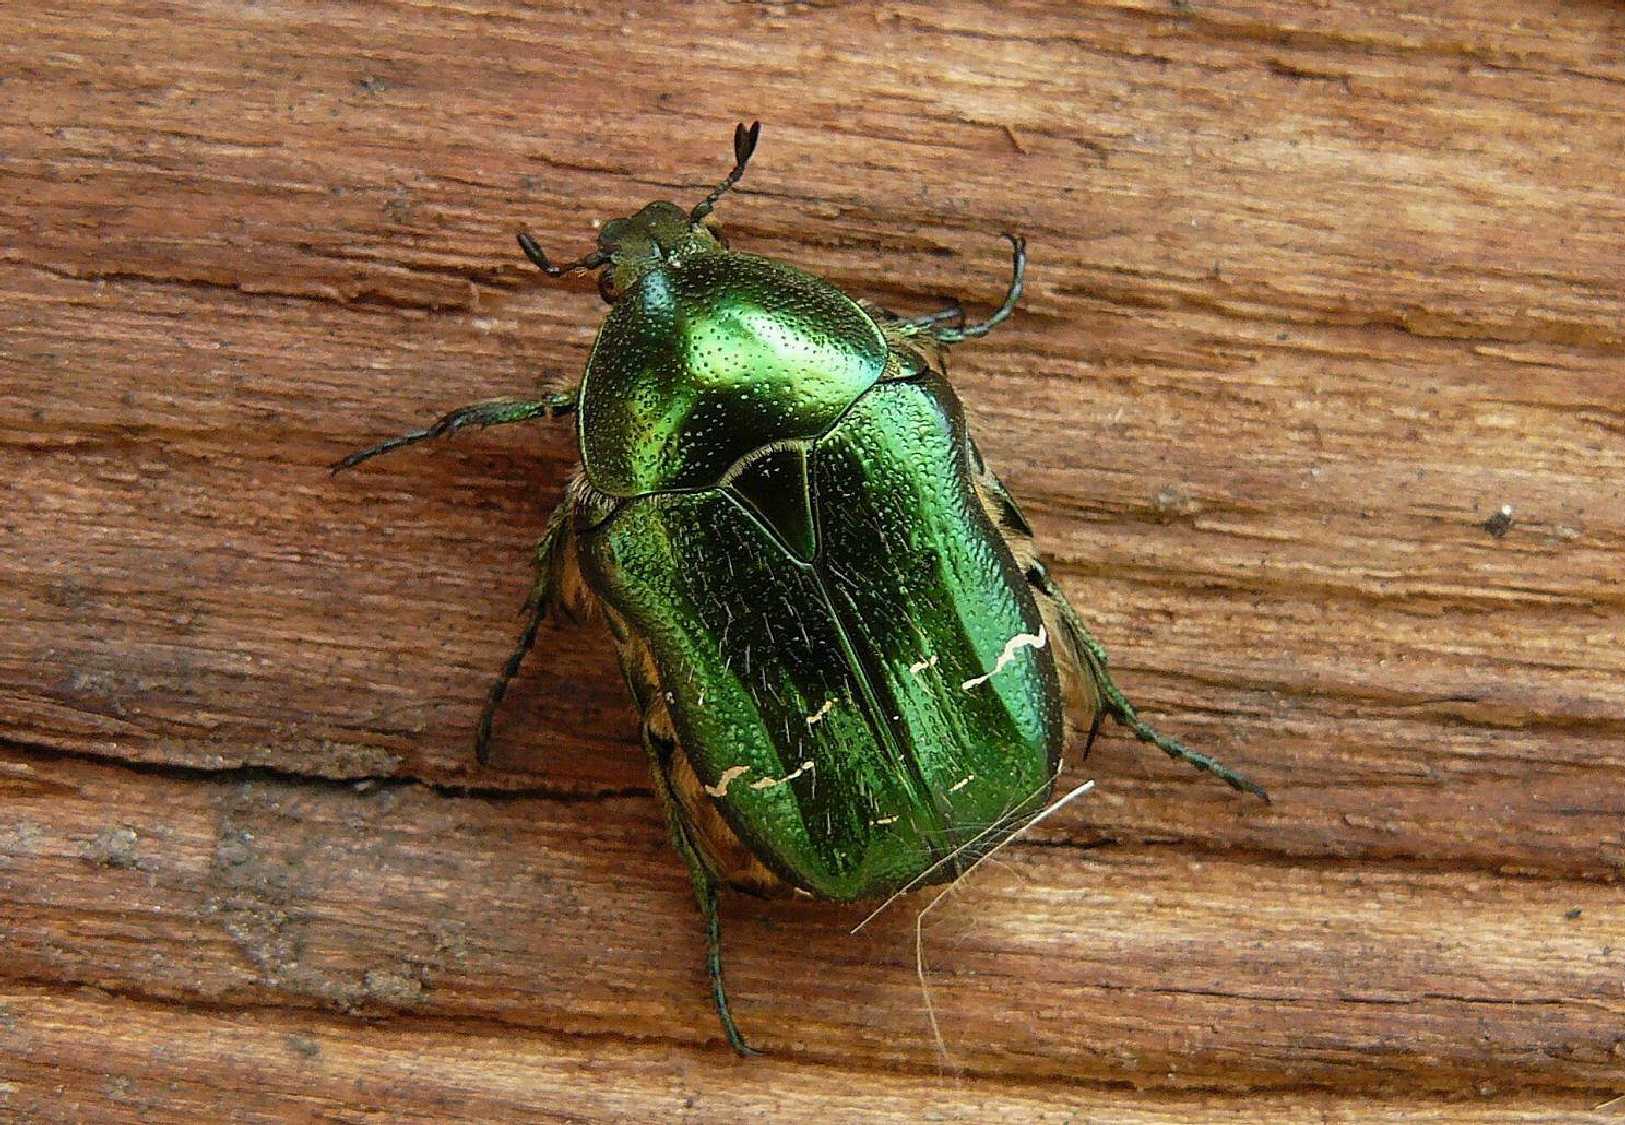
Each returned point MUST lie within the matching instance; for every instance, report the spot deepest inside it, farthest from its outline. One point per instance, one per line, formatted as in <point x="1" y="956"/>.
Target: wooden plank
<point x="304" y="1066"/>
<point x="538" y="915"/>
<point x="1315" y="292"/>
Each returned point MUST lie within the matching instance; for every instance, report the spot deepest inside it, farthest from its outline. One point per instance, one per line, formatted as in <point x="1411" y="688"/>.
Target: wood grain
<point x="1317" y="291"/>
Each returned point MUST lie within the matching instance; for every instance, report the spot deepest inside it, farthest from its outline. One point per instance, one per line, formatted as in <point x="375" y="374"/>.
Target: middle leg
<point x="544" y="598"/>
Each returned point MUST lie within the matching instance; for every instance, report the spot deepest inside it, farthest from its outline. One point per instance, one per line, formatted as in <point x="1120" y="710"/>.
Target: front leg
<point x="912" y="325"/>
<point x="947" y="326"/>
<point x="493" y="412"/>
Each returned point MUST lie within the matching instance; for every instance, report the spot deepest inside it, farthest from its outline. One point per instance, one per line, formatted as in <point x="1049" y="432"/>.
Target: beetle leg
<point x="705" y="883"/>
<point x="495" y="412"/>
<point x="549" y="565"/>
<point x="911" y="325"/>
<point x="1018" y="273"/>
<point x="1115" y="703"/>
<point x="953" y="311"/>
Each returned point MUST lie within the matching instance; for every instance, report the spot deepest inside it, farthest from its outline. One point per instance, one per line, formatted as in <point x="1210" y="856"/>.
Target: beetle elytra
<point x="849" y="657"/>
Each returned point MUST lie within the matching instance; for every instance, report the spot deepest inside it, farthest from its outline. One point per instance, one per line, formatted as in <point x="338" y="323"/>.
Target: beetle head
<point x="630" y="246"/>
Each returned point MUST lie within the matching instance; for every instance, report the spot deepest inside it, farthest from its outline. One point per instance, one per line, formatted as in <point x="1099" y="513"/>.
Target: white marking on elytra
<point x="770" y="782"/>
<point x="962" y="782"/>
<point x="1014" y="645"/>
<point x="818" y="716"/>
<point x="720" y="789"/>
<point x="921" y="665"/>
<point x="729" y="775"/>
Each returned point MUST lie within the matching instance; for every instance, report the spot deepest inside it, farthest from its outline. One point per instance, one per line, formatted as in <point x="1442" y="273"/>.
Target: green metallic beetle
<point x="849" y="659"/>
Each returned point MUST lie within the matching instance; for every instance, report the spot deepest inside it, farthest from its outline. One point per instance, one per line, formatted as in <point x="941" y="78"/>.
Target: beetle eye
<point x="606" y="288"/>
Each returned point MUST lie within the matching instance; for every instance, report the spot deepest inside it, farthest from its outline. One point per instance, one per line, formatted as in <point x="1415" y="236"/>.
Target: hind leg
<point x="1114" y="702"/>
<point x="705" y="881"/>
<point x="552" y="557"/>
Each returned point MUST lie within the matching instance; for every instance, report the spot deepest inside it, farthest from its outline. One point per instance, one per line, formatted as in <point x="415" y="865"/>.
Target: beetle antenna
<point x="534" y="253"/>
<point x="744" y="147"/>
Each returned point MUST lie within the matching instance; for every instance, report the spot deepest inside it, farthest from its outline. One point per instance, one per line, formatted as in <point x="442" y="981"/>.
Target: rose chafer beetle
<point x="848" y="655"/>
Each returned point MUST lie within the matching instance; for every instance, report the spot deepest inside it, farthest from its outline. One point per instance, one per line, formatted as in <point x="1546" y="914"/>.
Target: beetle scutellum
<point x="848" y="655"/>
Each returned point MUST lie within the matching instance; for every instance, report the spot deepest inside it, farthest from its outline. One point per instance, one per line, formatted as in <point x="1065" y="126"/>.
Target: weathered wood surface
<point x="1316" y="290"/>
